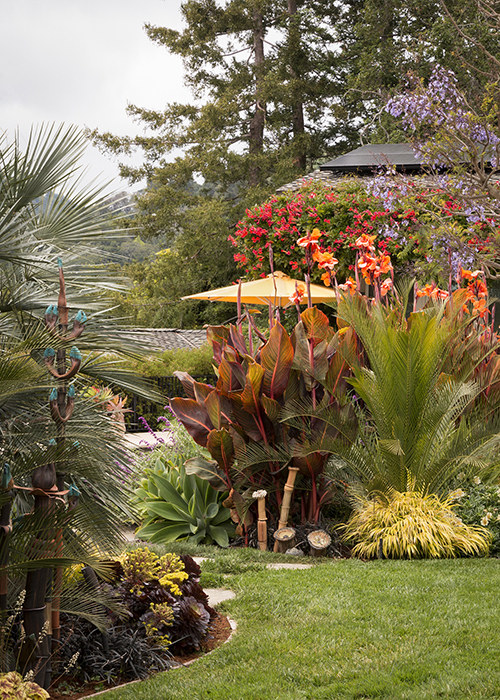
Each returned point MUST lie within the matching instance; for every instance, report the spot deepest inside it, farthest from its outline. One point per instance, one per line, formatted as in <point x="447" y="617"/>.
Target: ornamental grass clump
<point x="409" y="525"/>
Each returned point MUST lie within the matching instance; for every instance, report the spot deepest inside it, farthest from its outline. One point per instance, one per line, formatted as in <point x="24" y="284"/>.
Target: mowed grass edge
<point x="349" y="629"/>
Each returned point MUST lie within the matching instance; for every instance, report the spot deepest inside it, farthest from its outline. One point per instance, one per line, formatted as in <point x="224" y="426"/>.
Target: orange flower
<point x="365" y="242"/>
<point x="326" y="279"/>
<point x="349" y="286"/>
<point x="298" y="295"/>
<point x="373" y="266"/>
<point x="468" y="275"/>
<point x="309" y="241"/>
<point x="479" y="308"/>
<point x="385" y="263"/>
<point x="432" y="291"/>
<point x="325" y="261"/>
<point x="386" y="286"/>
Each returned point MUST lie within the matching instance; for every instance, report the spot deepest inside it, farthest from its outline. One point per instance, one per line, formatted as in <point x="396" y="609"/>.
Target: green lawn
<point x="347" y="629"/>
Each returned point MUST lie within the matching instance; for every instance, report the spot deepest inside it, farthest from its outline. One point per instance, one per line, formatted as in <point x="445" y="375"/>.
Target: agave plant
<point x="180" y="506"/>
<point x="266" y="412"/>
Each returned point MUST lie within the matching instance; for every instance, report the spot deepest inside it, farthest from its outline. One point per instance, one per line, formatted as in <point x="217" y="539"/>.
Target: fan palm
<point x="44" y="214"/>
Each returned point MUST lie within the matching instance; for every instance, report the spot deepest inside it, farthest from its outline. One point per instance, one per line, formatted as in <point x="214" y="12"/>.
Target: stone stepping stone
<point x="289" y="566"/>
<point x="218" y="595"/>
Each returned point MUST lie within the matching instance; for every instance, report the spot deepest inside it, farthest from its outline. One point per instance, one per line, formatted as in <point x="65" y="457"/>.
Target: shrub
<point x="410" y="525"/>
<point x="161" y="607"/>
<point x="197" y="361"/>
<point x="479" y="504"/>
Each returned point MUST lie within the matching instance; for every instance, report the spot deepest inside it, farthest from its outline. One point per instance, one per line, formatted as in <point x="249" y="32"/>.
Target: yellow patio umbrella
<point x="262" y="291"/>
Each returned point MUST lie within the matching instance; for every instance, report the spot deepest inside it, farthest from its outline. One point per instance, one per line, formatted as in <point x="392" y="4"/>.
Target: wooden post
<point x="6" y="486"/>
<point x="262" y="521"/>
<point x="287" y="499"/>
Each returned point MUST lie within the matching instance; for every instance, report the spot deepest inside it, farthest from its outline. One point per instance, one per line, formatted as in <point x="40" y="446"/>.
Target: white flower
<point x="485" y="521"/>
<point x="259" y="494"/>
<point x="456" y="495"/>
<point x="476" y="480"/>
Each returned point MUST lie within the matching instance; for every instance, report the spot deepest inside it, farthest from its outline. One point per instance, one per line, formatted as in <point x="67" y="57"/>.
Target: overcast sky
<point x="81" y="62"/>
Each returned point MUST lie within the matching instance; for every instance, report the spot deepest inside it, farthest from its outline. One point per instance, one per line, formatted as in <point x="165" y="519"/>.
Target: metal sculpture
<point x="43" y="585"/>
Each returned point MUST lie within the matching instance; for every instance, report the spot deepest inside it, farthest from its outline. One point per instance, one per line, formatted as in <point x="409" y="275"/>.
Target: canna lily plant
<point x="251" y="422"/>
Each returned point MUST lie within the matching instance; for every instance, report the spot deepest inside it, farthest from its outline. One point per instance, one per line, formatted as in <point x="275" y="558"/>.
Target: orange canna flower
<point x="325" y="261"/>
<point x="349" y="286"/>
<point x="326" y="279"/>
<point x="432" y="291"/>
<point x="309" y="241"/>
<point x="385" y="263"/>
<point x="479" y="308"/>
<point x="298" y="295"/>
<point x="468" y="275"/>
<point x="386" y="286"/>
<point x="365" y="242"/>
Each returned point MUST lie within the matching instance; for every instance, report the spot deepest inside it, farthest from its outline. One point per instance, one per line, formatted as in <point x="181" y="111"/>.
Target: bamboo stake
<point x="287" y="498"/>
<point x="262" y="521"/>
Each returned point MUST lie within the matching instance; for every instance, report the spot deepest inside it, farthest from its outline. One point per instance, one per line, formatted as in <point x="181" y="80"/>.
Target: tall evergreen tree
<point x="278" y="86"/>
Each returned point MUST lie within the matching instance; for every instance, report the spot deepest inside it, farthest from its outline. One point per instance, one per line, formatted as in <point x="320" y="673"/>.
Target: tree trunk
<point x="298" y="128"/>
<point x="257" y="123"/>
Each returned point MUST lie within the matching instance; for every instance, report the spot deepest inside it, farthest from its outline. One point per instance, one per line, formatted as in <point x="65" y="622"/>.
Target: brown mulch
<point x="66" y="688"/>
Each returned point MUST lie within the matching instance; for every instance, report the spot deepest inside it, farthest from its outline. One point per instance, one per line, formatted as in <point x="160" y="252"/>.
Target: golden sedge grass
<point x="409" y="525"/>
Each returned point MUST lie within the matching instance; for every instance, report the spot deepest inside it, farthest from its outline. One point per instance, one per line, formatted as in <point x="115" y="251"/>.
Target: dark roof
<point x="366" y="159"/>
<point x="363" y="161"/>
<point x="165" y="338"/>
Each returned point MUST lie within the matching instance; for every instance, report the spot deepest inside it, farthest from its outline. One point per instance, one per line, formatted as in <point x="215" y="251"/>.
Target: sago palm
<point x="419" y="426"/>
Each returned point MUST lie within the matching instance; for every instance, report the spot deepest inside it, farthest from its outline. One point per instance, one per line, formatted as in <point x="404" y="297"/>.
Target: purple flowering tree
<point x="459" y="143"/>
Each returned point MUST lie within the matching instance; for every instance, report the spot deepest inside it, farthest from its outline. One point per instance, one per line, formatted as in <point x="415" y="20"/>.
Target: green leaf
<point x="219" y="534"/>
<point x="163" y="535"/>
<point x="212" y="510"/>
<point x="169" y="512"/>
<point x="168" y="492"/>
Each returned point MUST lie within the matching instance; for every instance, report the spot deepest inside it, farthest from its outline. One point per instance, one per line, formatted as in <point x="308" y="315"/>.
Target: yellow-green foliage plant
<point x="410" y="525"/>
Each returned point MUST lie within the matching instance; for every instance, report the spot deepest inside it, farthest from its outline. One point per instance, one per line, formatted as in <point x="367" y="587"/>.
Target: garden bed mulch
<point x="66" y="688"/>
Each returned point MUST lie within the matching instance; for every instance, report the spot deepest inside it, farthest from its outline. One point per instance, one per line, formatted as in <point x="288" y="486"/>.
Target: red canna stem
<point x="238" y="306"/>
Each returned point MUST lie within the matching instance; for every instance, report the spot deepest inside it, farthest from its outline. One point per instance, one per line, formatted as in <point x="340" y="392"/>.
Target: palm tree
<point x="421" y="421"/>
<point x="46" y="214"/>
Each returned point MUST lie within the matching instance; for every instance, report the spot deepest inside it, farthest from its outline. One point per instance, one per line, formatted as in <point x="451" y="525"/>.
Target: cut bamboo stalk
<point x="287" y="499"/>
<point x="284" y="539"/>
<point x="318" y="543"/>
<point x="262" y="521"/>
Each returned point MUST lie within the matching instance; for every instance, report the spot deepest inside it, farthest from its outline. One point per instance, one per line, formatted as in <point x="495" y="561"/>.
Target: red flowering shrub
<point x="420" y="238"/>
